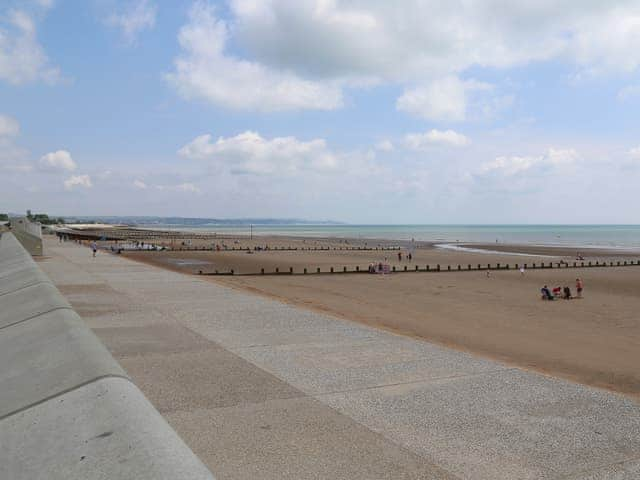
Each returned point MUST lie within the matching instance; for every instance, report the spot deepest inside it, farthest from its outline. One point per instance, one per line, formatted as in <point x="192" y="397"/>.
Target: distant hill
<point x="182" y="221"/>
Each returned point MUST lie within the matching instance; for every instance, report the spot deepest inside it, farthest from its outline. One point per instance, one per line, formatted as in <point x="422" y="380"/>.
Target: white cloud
<point x="59" y="160"/>
<point x="139" y="15"/>
<point x="385" y="146"/>
<point x="250" y="153"/>
<point x="420" y="141"/>
<point x="13" y="159"/>
<point x="22" y="58"/>
<point x="634" y="153"/>
<point x="9" y="127"/>
<point x="339" y="43"/>
<point x="205" y="71"/>
<point x="444" y="100"/>
<point x="186" y="187"/>
<point x="629" y="92"/>
<point x="514" y="165"/>
<point x="46" y="4"/>
<point x="83" y="181"/>
<point x="181" y="187"/>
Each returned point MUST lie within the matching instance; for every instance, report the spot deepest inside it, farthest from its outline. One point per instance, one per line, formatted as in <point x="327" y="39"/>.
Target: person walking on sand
<point x="579" y="287"/>
<point x="94" y="248"/>
<point x="399" y="256"/>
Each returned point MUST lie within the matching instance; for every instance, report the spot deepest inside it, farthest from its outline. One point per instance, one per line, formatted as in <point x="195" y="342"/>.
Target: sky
<point x="361" y="111"/>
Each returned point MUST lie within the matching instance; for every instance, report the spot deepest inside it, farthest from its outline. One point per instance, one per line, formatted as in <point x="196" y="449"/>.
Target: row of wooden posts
<point x="439" y="268"/>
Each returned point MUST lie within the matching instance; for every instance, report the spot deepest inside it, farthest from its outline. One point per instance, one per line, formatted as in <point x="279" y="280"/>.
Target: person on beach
<point x="522" y="270"/>
<point x="567" y="293"/>
<point x="409" y="256"/>
<point x="546" y="294"/>
<point x="399" y="256"/>
<point x="94" y="248"/>
<point x="579" y="287"/>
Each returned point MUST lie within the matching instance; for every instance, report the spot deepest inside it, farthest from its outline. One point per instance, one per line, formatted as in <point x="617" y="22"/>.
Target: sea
<point x="579" y="236"/>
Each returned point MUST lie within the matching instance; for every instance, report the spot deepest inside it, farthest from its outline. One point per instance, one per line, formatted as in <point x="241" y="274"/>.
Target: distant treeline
<point x="43" y="218"/>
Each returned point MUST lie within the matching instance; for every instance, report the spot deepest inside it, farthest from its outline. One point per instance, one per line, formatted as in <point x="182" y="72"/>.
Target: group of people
<point x="409" y="256"/>
<point x="561" y="292"/>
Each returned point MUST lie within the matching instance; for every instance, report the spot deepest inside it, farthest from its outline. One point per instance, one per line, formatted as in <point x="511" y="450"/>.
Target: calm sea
<point x="616" y="236"/>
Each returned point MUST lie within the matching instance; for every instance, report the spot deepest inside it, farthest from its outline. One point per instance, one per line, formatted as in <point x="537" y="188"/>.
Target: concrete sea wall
<point x="67" y="409"/>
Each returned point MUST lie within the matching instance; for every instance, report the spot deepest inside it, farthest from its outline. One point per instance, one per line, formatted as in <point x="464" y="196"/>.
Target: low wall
<point x="28" y="233"/>
<point x="67" y="409"/>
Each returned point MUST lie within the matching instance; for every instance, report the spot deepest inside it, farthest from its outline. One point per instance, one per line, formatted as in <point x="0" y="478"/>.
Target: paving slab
<point x="154" y="338"/>
<point x="510" y="424"/>
<point x="339" y="366"/>
<point x="255" y="321"/>
<point x="63" y="272"/>
<point x="294" y="439"/>
<point x="213" y="377"/>
<point x="47" y="355"/>
<point x="30" y="302"/>
<point x="110" y="432"/>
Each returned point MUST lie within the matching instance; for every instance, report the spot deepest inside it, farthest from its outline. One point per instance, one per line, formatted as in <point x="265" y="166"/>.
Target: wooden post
<point x="262" y="271"/>
<point x="318" y="269"/>
<point x="305" y="270"/>
<point x="290" y="269"/>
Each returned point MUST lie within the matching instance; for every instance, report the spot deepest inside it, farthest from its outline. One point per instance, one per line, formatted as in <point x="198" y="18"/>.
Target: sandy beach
<point x="594" y="340"/>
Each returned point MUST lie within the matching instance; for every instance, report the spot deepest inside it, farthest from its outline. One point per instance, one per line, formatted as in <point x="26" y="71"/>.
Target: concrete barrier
<point x="67" y="408"/>
<point x="28" y="233"/>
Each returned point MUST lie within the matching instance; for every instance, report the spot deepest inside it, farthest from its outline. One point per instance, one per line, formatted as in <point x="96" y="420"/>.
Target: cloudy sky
<point x="365" y="111"/>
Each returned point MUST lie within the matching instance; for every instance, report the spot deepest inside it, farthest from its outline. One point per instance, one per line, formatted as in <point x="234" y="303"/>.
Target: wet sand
<point x="594" y="340"/>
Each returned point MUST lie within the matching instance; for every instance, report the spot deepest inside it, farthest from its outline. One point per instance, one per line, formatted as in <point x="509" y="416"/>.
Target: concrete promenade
<point x="261" y="389"/>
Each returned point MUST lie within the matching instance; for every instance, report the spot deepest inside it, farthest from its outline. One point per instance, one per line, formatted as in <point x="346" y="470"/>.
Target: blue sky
<point x="359" y="111"/>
